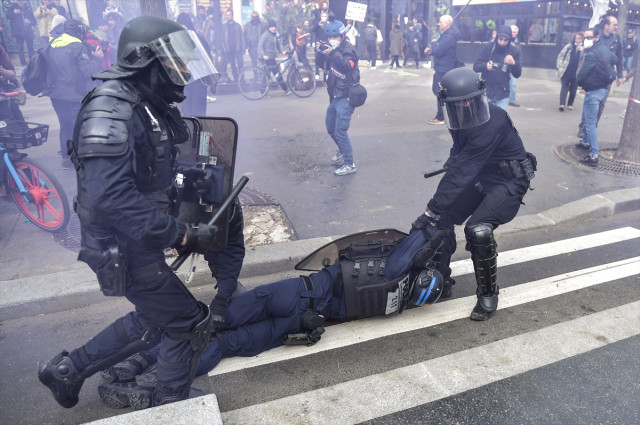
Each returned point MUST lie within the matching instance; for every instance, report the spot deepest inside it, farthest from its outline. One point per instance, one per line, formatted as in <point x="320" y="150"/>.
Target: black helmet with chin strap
<point x="146" y="40"/>
<point x="462" y="92"/>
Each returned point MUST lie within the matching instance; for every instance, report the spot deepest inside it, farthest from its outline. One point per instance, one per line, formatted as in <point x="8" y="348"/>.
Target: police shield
<point x="329" y="253"/>
<point x="205" y="172"/>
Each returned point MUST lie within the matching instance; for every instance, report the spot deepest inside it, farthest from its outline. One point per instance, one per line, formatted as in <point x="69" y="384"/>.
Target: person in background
<point x="302" y="38"/>
<point x="370" y="35"/>
<point x="9" y="108"/>
<point x="444" y="51"/>
<point x="497" y="61"/>
<point x="268" y="49"/>
<point x="195" y="102"/>
<point x="630" y="48"/>
<point x="412" y="41"/>
<point x="352" y="32"/>
<point x="44" y="14"/>
<point x="232" y="45"/>
<point x="395" y="45"/>
<point x="320" y="37"/>
<point x="70" y="65"/>
<point x="512" y="80"/>
<point x="21" y="20"/>
<point x="252" y="32"/>
<point x="567" y="66"/>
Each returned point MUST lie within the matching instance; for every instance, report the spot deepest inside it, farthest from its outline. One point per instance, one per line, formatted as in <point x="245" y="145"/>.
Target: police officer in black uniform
<point x="487" y="175"/>
<point x="124" y="150"/>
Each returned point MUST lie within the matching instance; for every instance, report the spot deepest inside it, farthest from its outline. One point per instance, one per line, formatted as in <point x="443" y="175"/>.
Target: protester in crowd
<point x="412" y="41"/>
<point x="302" y="38"/>
<point x="497" y="61"/>
<point x="320" y="38"/>
<point x="596" y="85"/>
<point x="232" y="44"/>
<point x="268" y="48"/>
<point x="370" y="35"/>
<point x="512" y="80"/>
<point x="70" y="65"/>
<point x="21" y="20"/>
<point x="252" y="32"/>
<point x="567" y="66"/>
<point x="62" y="11"/>
<point x="9" y="108"/>
<point x="352" y="32"/>
<point x="444" y="51"/>
<point x="44" y="14"/>
<point x="630" y="49"/>
<point x="607" y="36"/>
<point x="343" y="72"/>
<point x="395" y="45"/>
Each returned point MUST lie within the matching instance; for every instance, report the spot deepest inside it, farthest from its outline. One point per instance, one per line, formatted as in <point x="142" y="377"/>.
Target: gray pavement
<point x="35" y="268"/>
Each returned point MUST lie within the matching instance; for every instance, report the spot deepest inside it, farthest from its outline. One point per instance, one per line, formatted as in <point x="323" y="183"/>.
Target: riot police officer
<point x="487" y="175"/>
<point x="124" y="151"/>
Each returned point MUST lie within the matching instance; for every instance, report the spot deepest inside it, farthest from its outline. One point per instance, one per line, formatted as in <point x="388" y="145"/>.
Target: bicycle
<point x="35" y="191"/>
<point x="256" y="81"/>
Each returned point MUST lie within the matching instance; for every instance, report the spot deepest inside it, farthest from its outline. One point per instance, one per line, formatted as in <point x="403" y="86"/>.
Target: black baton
<point x="216" y="217"/>
<point x="434" y="173"/>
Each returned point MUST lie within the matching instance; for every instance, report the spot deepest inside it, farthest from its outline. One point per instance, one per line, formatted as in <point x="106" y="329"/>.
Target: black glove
<point x="219" y="311"/>
<point x="430" y="250"/>
<point x="200" y="239"/>
<point x="424" y="221"/>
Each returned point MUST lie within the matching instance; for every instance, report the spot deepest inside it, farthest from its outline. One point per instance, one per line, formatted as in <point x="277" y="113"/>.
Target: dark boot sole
<point x="118" y="399"/>
<point x="481" y="316"/>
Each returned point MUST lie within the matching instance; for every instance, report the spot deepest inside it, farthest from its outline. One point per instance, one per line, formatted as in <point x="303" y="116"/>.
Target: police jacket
<point x="69" y="69"/>
<point x="268" y="45"/>
<point x="588" y="78"/>
<point x="498" y="79"/>
<point x="444" y="50"/>
<point x="342" y="67"/>
<point x="475" y="157"/>
<point x="124" y="149"/>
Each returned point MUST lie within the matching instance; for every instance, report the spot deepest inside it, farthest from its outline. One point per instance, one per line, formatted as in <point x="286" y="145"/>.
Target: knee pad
<point x="480" y="240"/>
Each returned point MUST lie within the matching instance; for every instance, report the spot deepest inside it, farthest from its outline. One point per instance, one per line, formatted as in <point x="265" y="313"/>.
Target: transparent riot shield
<point x="205" y="172"/>
<point x="328" y="254"/>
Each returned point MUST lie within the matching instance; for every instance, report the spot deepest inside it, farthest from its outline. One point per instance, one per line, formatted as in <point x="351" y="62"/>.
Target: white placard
<point x="356" y="11"/>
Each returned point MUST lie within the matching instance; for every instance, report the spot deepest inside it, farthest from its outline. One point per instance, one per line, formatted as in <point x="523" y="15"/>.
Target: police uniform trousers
<point x="495" y="201"/>
<point x="162" y="305"/>
<point x="260" y="319"/>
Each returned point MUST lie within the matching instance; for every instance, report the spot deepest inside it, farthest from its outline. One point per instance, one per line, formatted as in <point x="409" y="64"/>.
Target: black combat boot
<point x="485" y="307"/>
<point x="128" y="369"/>
<point x="63" y="378"/>
<point x="118" y="395"/>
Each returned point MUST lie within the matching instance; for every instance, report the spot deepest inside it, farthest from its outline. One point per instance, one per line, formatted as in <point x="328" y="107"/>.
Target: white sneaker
<point x="345" y="169"/>
<point x="373" y="67"/>
<point x="317" y="77"/>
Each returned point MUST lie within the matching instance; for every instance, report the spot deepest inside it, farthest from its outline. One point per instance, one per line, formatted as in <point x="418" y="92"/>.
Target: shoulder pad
<point x="106" y="120"/>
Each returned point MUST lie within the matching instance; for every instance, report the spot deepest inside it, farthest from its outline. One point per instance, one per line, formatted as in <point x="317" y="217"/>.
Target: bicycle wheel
<point x="253" y="83"/>
<point x="301" y="81"/>
<point x="47" y="206"/>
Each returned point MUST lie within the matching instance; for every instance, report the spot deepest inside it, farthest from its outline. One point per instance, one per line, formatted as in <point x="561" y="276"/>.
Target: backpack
<point x="34" y="75"/>
<point x="370" y="34"/>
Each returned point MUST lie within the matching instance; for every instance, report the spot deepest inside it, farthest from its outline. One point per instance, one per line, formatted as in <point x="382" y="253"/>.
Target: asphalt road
<point x="450" y="362"/>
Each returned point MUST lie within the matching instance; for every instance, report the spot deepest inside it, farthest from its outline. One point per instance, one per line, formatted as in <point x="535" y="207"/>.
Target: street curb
<point x="199" y="410"/>
<point x="275" y="258"/>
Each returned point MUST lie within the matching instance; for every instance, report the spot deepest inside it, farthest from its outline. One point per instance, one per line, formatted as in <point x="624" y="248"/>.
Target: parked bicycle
<point x="35" y="191"/>
<point x="256" y="81"/>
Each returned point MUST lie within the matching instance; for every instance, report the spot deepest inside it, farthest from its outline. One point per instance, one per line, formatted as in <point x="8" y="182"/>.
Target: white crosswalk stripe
<point x="406" y="387"/>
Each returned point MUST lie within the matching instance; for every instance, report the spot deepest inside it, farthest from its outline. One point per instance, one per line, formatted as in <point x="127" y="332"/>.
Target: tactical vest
<point x="366" y="291"/>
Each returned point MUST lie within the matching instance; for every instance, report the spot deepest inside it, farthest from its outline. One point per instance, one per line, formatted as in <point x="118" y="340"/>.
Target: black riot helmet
<point x="427" y="288"/>
<point x="179" y="52"/>
<point x="462" y="94"/>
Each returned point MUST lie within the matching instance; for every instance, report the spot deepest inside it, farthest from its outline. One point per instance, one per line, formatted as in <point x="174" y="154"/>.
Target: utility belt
<point x="525" y="169"/>
<point x="311" y="323"/>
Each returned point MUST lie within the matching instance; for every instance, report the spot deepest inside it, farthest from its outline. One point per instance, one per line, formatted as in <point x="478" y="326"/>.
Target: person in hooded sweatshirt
<point x="496" y="60"/>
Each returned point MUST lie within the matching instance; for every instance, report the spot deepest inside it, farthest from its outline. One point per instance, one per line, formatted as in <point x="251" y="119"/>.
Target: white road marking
<point x="403" y="388"/>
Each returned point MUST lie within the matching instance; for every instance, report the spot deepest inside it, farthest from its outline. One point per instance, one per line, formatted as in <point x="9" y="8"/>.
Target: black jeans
<point x="67" y="111"/>
<point x="570" y="86"/>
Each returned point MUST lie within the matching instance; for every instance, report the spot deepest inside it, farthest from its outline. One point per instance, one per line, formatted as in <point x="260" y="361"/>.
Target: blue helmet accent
<point x="335" y="28"/>
<point x="427" y="287"/>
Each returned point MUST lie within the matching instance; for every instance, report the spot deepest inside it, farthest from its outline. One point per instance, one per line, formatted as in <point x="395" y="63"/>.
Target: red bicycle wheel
<point x="45" y="203"/>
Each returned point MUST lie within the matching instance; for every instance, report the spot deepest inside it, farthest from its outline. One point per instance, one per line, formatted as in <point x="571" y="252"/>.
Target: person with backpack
<point x="370" y="35"/>
<point x="69" y="68"/>
<point x="595" y="77"/>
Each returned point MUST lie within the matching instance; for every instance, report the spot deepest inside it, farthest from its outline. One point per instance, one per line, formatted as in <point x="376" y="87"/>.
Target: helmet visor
<point x="466" y="113"/>
<point x="184" y="58"/>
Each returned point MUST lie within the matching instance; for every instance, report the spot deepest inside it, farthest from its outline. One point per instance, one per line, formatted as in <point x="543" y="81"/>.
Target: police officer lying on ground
<point x="487" y="175"/>
<point x="124" y="151"/>
<point x="370" y="279"/>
